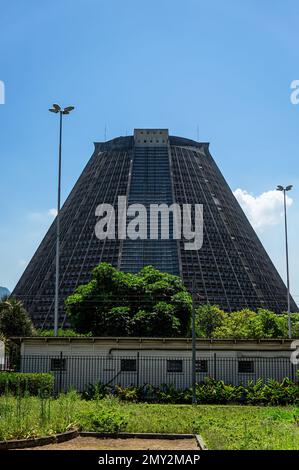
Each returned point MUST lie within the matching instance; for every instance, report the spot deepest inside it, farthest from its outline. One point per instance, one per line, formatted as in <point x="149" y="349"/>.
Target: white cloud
<point x="52" y="212"/>
<point x="263" y="211"/>
<point x="42" y="216"/>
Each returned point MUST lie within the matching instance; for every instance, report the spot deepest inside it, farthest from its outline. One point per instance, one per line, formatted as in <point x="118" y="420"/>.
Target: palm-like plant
<point x="14" y="320"/>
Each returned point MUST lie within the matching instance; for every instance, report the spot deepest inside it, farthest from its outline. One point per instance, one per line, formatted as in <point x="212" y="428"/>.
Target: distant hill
<point x="3" y="292"/>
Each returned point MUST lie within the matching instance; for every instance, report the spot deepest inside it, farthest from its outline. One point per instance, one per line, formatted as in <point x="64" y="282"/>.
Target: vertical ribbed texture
<point x="150" y="184"/>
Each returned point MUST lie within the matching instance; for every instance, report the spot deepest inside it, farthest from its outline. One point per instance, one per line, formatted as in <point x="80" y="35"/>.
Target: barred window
<point x="202" y="365"/>
<point x="58" y="364"/>
<point x="128" y="365"/>
<point x="174" y="365"/>
<point x="245" y="367"/>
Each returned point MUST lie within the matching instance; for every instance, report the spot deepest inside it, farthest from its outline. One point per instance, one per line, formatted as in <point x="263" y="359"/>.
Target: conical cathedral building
<point x="231" y="269"/>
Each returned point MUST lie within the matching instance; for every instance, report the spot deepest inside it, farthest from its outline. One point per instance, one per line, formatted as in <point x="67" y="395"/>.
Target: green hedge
<point x="19" y="383"/>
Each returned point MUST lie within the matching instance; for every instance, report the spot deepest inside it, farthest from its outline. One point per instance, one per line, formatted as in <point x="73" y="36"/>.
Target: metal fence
<point x="78" y="372"/>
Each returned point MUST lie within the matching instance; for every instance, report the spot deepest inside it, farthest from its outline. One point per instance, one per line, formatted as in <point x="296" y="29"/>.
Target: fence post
<point x="294" y="372"/>
<point x="215" y="367"/>
<point x="60" y="372"/>
<point x="137" y="370"/>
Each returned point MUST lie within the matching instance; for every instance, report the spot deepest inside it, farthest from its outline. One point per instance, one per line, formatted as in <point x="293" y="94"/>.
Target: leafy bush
<point x="102" y="420"/>
<point x="18" y="383"/>
<point x="212" y="322"/>
<point x="216" y="391"/>
<point x="127" y="393"/>
<point x="61" y="332"/>
<point x="210" y="391"/>
<point x="95" y="391"/>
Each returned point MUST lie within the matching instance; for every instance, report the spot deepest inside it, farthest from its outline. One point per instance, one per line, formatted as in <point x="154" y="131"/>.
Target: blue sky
<point x="225" y="67"/>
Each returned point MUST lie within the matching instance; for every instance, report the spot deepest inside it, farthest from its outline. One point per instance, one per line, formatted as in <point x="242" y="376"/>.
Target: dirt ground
<point x="92" y="443"/>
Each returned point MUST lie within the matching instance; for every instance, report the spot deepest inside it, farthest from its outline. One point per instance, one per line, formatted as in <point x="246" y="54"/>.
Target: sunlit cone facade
<point x="232" y="269"/>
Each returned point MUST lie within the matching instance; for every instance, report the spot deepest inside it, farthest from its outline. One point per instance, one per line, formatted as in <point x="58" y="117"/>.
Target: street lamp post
<point x="57" y="109"/>
<point x="193" y="346"/>
<point x="284" y="190"/>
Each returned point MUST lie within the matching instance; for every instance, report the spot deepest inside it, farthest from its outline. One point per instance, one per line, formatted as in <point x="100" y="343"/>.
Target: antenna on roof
<point x="197" y="133"/>
<point x="105" y="132"/>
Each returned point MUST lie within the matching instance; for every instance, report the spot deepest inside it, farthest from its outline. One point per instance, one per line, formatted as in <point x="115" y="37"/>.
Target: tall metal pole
<point x="287" y="263"/>
<point x="193" y="346"/>
<point x="58" y="232"/>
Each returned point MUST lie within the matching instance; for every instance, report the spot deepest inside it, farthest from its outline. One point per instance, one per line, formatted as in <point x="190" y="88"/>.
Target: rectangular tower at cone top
<point x="231" y="269"/>
<point x="151" y="137"/>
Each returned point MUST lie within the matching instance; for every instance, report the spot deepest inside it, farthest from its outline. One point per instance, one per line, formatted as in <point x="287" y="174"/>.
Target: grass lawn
<point x="222" y="427"/>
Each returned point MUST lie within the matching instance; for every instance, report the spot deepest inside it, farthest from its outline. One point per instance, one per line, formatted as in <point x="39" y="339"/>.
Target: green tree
<point x="159" y="322"/>
<point x="117" y="320"/>
<point x="208" y="318"/>
<point x="14" y="320"/>
<point x="243" y="324"/>
<point x="295" y="324"/>
<point x="182" y="309"/>
<point x="115" y="302"/>
<point x="273" y="325"/>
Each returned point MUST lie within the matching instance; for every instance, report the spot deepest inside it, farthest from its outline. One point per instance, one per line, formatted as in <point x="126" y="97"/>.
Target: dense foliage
<point x="14" y="320"/>
<point x="152" y="303"/>
<point x="62" y="332"/>
<point x="212" y="322"/>
<point x="114" y="303"/>
<point x="18" y="383"/>
<point x="208" y="392"/>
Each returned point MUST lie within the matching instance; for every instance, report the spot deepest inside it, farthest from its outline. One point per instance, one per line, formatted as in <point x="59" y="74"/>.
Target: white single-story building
<point x="78" y="361"/>
<point x="2" y="355"/>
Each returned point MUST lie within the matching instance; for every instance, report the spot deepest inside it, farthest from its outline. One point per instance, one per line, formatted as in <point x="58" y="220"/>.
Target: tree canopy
<point x="212" y="322"/>
<point x="115" y="303"/>
<point x="153" y="303"/>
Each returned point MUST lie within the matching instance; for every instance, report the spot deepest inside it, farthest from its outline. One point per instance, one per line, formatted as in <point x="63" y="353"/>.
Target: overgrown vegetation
<point x="20" y="383"/>
<point x="115" y="303"/>
<point x="209" y="392"/>
<point x="212" y="322"/>
<point x="222" y="427"/>
<point x="14" y="320"/>
<point x="66" y="333"/>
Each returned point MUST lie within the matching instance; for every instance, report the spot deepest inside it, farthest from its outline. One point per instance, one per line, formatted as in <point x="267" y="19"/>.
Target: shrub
<point x="61" y="332"/>
<point x="18" y="383"/>
<point x="102" y="420"/>
<point x="95" y="391"/>
<point x="216" y="391"/>
<point x="126" y="393"/>
<point x="281" y="393"/>
<point x="210" y="391"/>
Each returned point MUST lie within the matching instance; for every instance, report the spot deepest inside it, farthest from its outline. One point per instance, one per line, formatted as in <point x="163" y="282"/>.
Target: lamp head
<point x="68" y="109"/>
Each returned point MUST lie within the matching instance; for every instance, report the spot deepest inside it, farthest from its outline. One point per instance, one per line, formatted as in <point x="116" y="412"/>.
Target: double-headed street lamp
<point x="284" y="190"/>
<point x="57" y="109"/>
